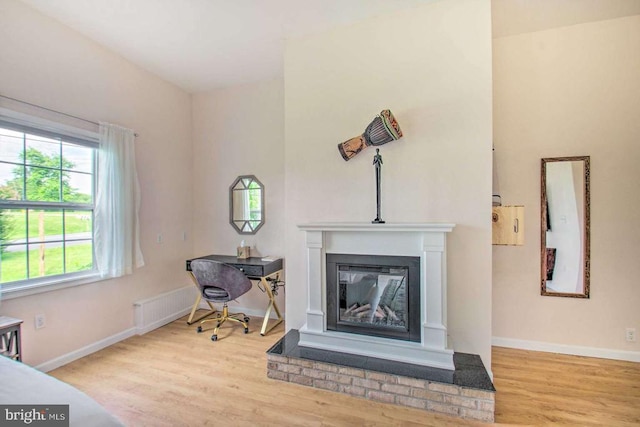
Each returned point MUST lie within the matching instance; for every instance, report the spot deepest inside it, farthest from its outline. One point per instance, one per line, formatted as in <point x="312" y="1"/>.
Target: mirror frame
<point x="586" y="255"/>
<point x="246" y="221"/>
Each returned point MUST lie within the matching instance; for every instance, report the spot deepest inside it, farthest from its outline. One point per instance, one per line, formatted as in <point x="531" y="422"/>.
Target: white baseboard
<point x="602" y="353"/>
<point x="85" y="351"/>
<point x="150" y="314"/>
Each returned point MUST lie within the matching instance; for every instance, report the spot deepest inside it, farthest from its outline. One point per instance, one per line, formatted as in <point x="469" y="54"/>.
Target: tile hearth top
<point x="470" y="371"/>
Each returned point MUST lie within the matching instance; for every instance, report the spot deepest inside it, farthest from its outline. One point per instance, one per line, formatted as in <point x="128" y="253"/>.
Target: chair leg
<point x="244" y="321"/>
<point x="223" y="317"/>
<point x="219" y="318"/>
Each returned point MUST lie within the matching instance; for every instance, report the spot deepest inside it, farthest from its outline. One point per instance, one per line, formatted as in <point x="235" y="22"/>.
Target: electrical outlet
<point x="40" y="321"/>
<point x="159" y="238"/>
<point x="630" y="333"/>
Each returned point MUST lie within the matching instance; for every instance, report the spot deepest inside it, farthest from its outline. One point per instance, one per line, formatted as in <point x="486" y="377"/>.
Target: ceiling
<point x="204" y="44"/>
<point x="512" y="17"/>
<point x="201" y="45"/>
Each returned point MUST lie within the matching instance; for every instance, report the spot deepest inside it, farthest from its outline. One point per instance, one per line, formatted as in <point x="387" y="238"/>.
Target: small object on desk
<point x="269" y="258"/>
<point x="244" y="252"/>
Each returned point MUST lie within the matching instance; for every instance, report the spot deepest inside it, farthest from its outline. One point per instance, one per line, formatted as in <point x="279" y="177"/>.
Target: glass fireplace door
<point x="375" y="298"/>
<point x="374" y="295"/>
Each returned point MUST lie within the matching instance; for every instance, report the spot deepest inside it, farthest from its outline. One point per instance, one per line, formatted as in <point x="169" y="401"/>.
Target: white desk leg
<point x="272" y="305"/>
<point x="212" y="309"/>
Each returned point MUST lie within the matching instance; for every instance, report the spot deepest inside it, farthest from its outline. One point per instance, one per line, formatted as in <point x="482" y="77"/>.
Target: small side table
<point x="10" y="338"/>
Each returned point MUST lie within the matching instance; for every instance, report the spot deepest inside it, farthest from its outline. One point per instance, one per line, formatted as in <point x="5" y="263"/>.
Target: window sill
<point x="34" y="287"/>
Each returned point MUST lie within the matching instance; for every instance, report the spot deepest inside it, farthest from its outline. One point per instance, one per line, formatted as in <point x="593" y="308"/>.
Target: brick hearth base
<point x="466" y="392"/>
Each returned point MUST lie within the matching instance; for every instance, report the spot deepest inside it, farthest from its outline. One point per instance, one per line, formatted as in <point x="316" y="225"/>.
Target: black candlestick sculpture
<point x="377" y="163"/>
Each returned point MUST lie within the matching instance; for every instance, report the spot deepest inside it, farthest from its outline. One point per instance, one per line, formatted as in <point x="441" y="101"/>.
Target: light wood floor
<point x="174" y="376"/>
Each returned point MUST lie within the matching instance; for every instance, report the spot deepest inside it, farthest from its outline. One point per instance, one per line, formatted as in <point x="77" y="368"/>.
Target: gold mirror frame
<point x="554" y="260"/>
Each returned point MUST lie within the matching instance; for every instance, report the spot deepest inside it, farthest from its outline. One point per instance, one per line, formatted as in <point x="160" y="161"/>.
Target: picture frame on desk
<point x="244" y="252"/>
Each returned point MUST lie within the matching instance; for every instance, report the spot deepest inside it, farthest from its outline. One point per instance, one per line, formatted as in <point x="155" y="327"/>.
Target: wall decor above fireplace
<point x="384" y="128"/>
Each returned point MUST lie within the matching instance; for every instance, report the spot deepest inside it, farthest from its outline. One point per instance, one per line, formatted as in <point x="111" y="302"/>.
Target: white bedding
<point x="22" y="384"/>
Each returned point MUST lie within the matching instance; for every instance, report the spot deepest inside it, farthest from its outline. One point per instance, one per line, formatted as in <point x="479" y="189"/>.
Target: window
<point x="47" y="200"/>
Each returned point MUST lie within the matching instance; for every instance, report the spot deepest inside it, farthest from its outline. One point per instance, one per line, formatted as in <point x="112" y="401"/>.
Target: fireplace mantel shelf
<point x="364" y="226"/>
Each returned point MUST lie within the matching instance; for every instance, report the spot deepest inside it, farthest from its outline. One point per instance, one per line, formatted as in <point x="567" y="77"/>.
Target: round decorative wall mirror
<point x="246" y="204"/>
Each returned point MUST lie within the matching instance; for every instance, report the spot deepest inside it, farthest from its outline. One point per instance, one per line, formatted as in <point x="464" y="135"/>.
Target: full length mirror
<point x="246" y="204"/>
<point x="565" y="227"/>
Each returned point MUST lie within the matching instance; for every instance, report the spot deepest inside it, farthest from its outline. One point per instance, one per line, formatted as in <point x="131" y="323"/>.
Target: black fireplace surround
<point x="376" y="295"/>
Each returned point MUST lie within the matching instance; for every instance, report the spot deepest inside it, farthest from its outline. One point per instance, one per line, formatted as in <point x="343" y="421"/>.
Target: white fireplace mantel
<point x="424" y="240"/>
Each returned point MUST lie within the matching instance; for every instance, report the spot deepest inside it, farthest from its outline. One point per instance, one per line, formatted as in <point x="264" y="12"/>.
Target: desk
<point x="255" y="269"/>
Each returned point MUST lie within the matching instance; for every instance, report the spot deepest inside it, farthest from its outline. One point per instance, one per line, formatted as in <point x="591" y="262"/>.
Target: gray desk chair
<point x="220" y="283"/>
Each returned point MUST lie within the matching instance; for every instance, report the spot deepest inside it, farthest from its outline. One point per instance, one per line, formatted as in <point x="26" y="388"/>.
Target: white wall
<point x="46" y="63"/>
<point x="571" y="91"/>
<point x="238" y="131"/>
<point x="432" y="67"/>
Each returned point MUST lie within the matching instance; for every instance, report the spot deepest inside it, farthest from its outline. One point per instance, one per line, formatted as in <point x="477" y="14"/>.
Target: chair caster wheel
<point x="246" y="319"/>
<point x="214" y="338"/>
<point x="199" y="329"/>
<point x="246" y="330"/>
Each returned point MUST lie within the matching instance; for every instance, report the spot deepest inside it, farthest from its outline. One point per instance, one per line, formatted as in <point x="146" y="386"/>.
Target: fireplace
<point x="355" y="271"/>
<point x="332" y="321"/>
<point x="374" y="295"/>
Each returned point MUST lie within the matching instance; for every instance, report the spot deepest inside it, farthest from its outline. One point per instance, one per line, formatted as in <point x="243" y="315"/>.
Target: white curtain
<point x="117" y="228"/>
